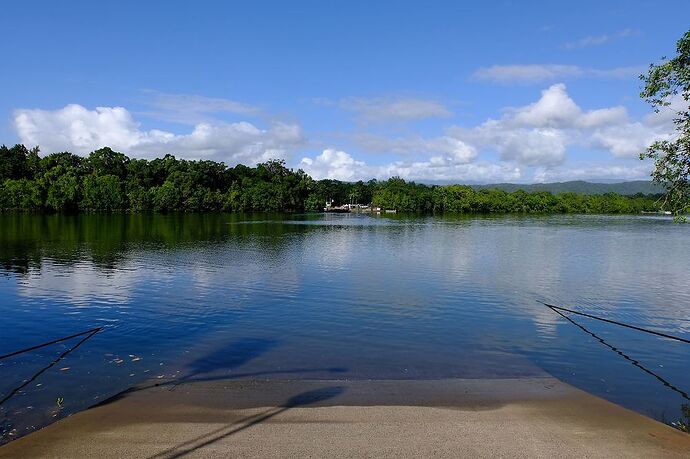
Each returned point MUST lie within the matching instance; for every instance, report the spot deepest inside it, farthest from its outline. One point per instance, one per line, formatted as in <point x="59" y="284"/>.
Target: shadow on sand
<point x="202" y="441"/>
<point x="224" y="360"/>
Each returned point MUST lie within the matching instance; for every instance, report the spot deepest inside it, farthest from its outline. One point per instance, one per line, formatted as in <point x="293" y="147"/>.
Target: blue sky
<point x="431" y="91"/>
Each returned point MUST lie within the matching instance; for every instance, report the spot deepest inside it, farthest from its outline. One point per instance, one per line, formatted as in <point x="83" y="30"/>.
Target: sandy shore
<point x="537" y="417"/>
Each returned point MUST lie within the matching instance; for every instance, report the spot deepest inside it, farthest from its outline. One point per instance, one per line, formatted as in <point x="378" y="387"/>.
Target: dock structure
<point x="330" y="207"/>
<point x="356" y="208"/>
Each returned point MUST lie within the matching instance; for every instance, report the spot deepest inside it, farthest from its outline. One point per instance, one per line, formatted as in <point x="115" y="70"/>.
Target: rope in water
<point x="621" y="324"/>
<point x="16" y="390"/>
<point x="626" y="357"/>
<point x="55" y="341"/>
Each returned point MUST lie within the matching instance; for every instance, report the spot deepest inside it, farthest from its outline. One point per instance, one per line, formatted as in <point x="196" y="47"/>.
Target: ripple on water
<point x="346" y="296"/>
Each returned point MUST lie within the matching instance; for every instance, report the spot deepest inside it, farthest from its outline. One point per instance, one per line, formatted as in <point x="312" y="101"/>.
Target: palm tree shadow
<point x="304" y="399"/>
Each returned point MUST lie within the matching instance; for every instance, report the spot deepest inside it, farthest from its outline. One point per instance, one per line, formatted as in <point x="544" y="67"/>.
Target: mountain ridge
<point x="579" y="186"/>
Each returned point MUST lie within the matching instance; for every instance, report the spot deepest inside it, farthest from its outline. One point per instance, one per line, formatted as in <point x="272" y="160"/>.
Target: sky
<point x="437" y="92"/>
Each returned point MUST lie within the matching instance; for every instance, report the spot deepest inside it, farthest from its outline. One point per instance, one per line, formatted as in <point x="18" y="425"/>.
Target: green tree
<point x="13" y="162"/>
<point x="110" y="181"/>
<point x="22" y="194"/>
<point x="167" y="197"/>
<point x="64" y="159"/>
<point x="138" y="197"/>
<point x="108" y="162"/>
<point x="103" y="192"/>
<point x="454" y="198"/>
<point x="63" y="190"/>
<point x="663" y="83"/>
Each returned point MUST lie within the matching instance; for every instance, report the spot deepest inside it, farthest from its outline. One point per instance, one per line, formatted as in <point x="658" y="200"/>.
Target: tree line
<point x="108" y="181"/>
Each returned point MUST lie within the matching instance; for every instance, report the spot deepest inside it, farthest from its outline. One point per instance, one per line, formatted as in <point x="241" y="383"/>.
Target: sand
<point x="536" y="417"/>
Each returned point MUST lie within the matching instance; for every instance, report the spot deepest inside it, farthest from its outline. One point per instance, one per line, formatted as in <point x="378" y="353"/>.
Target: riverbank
<point x="536" y="417"/>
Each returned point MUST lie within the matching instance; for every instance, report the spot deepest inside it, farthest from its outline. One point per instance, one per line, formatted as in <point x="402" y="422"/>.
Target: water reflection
<point x="206" y="296"/>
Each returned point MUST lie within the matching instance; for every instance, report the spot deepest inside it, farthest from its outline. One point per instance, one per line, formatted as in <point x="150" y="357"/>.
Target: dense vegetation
<point x="110" y="181"/>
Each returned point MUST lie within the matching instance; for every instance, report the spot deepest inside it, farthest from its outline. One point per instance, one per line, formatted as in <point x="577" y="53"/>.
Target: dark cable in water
<point x="622" y="354"/>
<point x="16" y="390"/>
<point x="38" y="346"/>
<point x="621" y="324"/>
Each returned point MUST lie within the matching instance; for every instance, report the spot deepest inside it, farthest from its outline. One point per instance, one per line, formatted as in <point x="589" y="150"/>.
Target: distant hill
<point x="579" y="186"/>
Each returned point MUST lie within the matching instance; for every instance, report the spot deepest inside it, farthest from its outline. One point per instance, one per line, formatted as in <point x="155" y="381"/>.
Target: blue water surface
<point x="203" y="297"/>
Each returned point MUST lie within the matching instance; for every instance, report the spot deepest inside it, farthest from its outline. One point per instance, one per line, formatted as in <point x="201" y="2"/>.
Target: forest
<point x="108" y="181"/>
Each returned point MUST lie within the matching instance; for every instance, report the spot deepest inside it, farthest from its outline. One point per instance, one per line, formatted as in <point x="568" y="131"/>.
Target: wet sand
<point x="535" y="417"/>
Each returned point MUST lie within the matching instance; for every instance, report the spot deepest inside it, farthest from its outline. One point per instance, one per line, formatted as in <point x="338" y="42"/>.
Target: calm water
<point x="338" y="296"/>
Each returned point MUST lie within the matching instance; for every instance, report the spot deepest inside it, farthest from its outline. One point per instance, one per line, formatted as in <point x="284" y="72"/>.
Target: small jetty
<point x="355" y="208"/>
<point x="331" y="208"/>
<point x="337" y="210"/>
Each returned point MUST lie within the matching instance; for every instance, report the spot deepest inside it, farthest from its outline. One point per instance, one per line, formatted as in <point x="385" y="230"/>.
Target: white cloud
<point x="337" y="164"/>
<point x="587" y="41"/>
<point x="531" y="73"/>
<point x="532" y="139"/>
<point x="527" y="146"/>
<point x="334" y="164"/>
<point x="539" y="134"/>
<point x="80" y="130"/>
<point x="637" y="171"/>
<point x="382" y="109"/>
<point x="447" y="146"/>
<point x="598" y="40"/>
<point x="556" y="109"/>
<point x="530" y="135"/>
<point x="342" y="166"/>
<point x="537" y="73"/>
<point x="191" y="108"/>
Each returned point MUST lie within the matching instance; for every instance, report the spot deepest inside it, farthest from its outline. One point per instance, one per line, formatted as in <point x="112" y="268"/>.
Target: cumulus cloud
<point x="537" y="73"/>
<point x="527" y="146"/>
<point x="334" y="164"/>
<point x="450" y="147"/>
<point x="337" y="164"/>
<point x="80" y="130"/>
<point x="555" y="109"/>
<point x="342" y="166"/>
<point x="627" y="139"/>
<point x="536" y="134"/>
<point x="382" y="109"/>
<point x="540" y="133"/>
<point x="531" y="139"/>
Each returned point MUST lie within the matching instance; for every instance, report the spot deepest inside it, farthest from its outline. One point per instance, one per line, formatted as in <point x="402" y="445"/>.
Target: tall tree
<point x="665" y="84"/>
